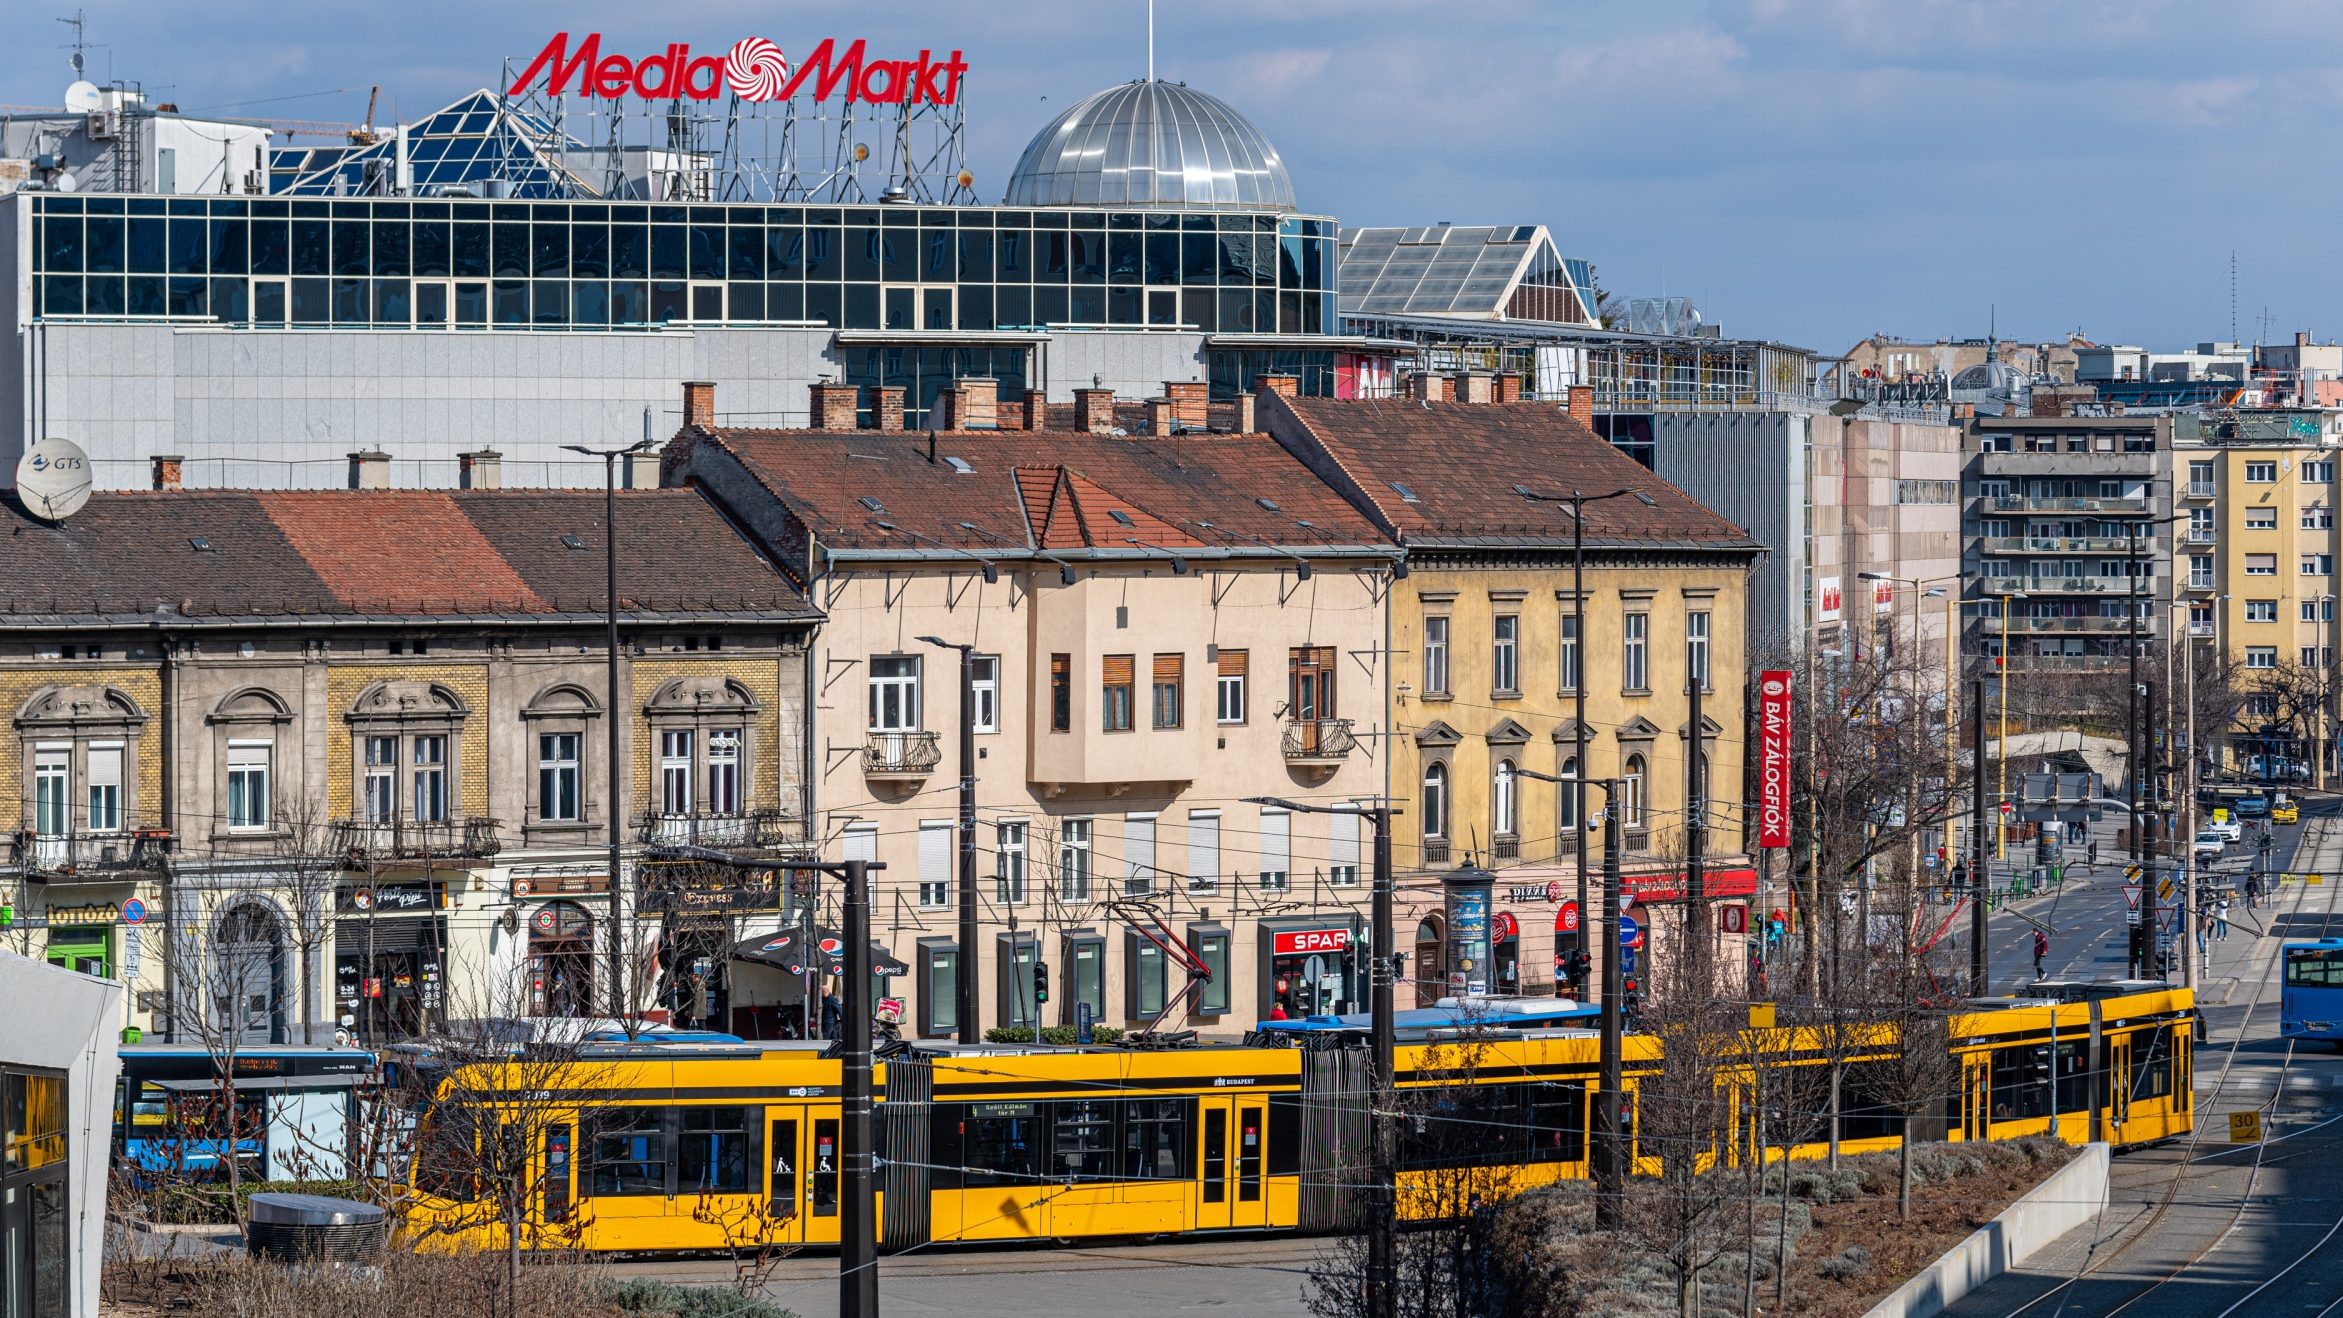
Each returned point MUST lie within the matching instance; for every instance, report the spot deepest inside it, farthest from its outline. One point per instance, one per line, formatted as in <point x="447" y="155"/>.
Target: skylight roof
<point x="476" y="139"/>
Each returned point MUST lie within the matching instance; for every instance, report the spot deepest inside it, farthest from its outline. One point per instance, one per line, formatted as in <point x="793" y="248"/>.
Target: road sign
<point x="1627" y="962"/>
<point x="130" y="942"/>
<point x="133" y="911"/>
<point x="2131" y="896"/>
<point x="2245" y="1128"/>
<point x="2312" y="878"/>
<point x="1629" y="931"/>
<point x="2132" y="872"/>
<point x="2164" y="889"/>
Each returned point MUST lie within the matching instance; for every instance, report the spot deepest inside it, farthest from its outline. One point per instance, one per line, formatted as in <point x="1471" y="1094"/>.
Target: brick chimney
<point x="167" y="467"/>
<point x="979" y="404"/>
<point x="699" y="404"/>
<point x="950" y="410"/>
<point x="1246" y="423"/>
<point x="1161" y="416"/>
<point x="1283" y="385"/>
<point x="1509" y="387"/>
<point x="1475" y="387"/>
<point x="1191" y="401"/>
<point x="1582" y="405"/>
<point x="1094" y="410"/>
<point x="1036" y="410"/>
<point x="886" y="407"/>
<point x="833" y="405"/>
<point x="1429" y="388"/>
<point x="370" y="470"/>
<point x="481" y="470"/>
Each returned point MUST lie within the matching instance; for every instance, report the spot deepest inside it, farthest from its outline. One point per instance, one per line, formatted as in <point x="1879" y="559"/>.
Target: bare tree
<point x="228" y="988"/>
<point x="307" y="863"/>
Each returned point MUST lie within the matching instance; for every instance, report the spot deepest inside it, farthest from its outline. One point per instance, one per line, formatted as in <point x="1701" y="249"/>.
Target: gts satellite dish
<point x="83" y="97"/>
<point x="52" y="479"/>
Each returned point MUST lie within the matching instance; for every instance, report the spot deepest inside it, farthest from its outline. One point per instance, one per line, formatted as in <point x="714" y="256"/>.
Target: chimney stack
<point x="1094" y="410"/>
<point x="1582" y="405"/>
<point x="1285" y="386"/>
<point x="833" y="405"/>
<point x="1429" y="388"/>
<point x="979" y="407"/>
<point x="1475" y="387"/>
<point x="1036" y="410"/>
<point x="370" y="470"/>
<point x="1246" y="423"/>
<point x="699" y="404"/>
<point x="1191" y="402"/>
<point x="950" y="411"/>
<point x="167" y="471"/>
<point x="1509" y="387"/>
<point x="1161" y="419"/>
<point x="886" y="407"/>
<point x="481" y="470"/>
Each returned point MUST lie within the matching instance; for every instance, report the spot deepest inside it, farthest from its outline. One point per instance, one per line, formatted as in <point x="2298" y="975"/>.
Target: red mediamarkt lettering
<point x="676" y="74"/>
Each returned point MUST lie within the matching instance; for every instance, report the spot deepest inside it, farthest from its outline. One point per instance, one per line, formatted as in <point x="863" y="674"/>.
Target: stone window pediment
<point x="1437" y="735"/>
<point x="1710" y="729"/>
<point x="563" y="700"/>
<point x="1566" y="733"/>
<point x="80" y="706"/>
<point x="687" y="697"/>
<point x="1639" y="728"/>
<point x="251" y="705"/>
<point x="408" y="702"/>
<point x="1508" y="732"/>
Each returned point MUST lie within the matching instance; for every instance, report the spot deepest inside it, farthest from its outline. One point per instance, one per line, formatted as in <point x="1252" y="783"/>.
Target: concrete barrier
<point x="2072" y="1196"/>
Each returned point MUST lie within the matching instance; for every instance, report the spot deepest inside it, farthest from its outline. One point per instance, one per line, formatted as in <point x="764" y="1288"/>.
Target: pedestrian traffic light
<point x="1040" y="982"/>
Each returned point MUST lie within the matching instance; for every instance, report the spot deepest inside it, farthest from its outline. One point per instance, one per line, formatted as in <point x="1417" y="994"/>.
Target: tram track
<point x="2095" y="1263"/>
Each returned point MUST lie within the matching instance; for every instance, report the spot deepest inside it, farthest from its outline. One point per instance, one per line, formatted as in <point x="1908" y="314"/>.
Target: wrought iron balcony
<point x="762" y="830"/>
<point x="1318" y="740"/>
<point x="901" y="755"/>
<point x="466" y="837"/>
<point x="87" y="857"/>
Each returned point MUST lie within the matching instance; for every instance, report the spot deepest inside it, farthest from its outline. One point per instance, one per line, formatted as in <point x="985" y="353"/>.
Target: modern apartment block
<point x="2066" y="522"/>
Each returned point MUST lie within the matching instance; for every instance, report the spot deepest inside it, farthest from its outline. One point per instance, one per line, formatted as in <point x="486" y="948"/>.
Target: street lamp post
<point x="1383" y="1216"/>
<point x="965" y="990"/>
<point x="1575" y="502"/>
<point x="2001" y="742"/>
<point x="1922" y="588"/>
<point x="610" y="457"/>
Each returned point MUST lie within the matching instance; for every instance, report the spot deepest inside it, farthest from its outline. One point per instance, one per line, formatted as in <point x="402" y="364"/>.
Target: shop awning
<point x="787" y="950"/>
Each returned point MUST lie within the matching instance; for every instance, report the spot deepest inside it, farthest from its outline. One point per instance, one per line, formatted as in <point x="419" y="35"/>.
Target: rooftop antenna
<point x="2233" y="295"/>
<point x="80" y="25"/>
<point x="1150" y="41"/>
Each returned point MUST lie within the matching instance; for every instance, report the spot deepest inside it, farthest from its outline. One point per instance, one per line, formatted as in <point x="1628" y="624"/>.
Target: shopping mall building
<point x="473" y="282"/>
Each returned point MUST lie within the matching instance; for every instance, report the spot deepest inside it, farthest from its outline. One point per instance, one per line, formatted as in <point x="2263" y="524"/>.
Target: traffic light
<point x="1631" y="1000"/>
<point x="2139" y="947"/>
<point x="1040" y="982"/>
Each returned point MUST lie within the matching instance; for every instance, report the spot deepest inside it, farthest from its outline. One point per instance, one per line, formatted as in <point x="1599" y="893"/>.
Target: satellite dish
<point x="65" y="183"/>
<point x="83" y="97"/>
<point x="52" y="479"/>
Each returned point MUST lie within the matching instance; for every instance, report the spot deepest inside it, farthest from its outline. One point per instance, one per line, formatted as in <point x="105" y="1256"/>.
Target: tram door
<point x="2119" y="1087"/>
<point x="1232" y="1137"/>
<point x="802" y="1160"/>
<point x="1976" y="1094"/>
<point x="1215" y="1188"/>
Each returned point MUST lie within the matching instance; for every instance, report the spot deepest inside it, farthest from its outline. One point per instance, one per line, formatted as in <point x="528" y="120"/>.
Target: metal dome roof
<point x="1151" y="143"/>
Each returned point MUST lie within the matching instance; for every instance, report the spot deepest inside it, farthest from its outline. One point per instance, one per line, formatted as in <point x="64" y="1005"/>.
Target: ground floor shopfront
<point x="1534" y="923"/>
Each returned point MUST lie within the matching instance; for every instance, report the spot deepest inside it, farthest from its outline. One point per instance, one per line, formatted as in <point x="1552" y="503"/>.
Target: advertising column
<point x="1468" y="890"/>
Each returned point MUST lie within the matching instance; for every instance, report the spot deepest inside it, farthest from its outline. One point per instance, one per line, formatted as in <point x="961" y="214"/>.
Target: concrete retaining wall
<point x="2073" y="1195"/>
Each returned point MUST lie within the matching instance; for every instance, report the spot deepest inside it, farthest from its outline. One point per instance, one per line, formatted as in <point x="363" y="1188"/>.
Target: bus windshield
<point x="2314" y="967"/>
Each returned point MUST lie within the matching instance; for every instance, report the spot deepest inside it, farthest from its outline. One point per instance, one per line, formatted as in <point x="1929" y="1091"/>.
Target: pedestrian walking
<point x="2041" y="950"/>
<point x="2221" y="920"/>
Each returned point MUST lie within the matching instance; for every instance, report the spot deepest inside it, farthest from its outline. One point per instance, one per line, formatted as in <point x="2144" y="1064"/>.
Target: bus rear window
<point x="2314" y="967"/>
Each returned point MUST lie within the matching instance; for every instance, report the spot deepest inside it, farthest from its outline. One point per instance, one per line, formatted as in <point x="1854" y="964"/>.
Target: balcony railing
<point x="2202" y="535"/>
<point x="1319" y="740"/>
<point x="2064" y="663"/>
<point x="2202" y="490"/>
<point x="2061" y="544"/>
<point x="768" y="829"/>
<point x="1435" y="851"/>
<point x="1505" y="848"/>
<point x="2020" y="503"/>
<point x="65" y="857"/>
<point x="468" y="837"/>
<point x="2147" y="626"/>
<point x="2059" y="585"/>
<point x="2202" y="629"/>
<point x="901" y="755"/>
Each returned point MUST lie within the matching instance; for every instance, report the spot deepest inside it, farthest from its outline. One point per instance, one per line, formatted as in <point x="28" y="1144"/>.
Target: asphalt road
<point x="2203" y="1228"/>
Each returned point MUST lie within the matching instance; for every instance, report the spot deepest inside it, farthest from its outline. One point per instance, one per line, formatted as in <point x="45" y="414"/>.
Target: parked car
<point x="2208" y="843"/>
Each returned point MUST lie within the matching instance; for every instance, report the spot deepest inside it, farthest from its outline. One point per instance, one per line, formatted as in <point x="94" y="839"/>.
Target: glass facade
<point x="547" y="264"/>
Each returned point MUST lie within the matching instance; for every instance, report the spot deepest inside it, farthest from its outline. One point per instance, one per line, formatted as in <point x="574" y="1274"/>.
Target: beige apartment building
<point x="1162" y="625"/>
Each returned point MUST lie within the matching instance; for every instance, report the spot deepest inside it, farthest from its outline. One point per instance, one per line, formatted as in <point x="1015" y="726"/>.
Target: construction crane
<point x="365" y="136"/>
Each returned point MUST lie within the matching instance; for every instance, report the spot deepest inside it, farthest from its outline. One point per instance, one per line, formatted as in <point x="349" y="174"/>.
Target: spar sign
<point x="754" y="70"/>
<point x="1773" y="758"/>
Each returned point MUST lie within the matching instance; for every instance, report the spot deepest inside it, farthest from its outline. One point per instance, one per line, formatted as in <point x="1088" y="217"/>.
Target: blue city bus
<point x="287" y="1112"/>
<point x="2310" y="992"/>
<point x="1428" y="1024"/>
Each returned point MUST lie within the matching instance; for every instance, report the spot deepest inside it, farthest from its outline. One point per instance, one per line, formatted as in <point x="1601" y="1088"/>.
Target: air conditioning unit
<point x="104" y="125"/>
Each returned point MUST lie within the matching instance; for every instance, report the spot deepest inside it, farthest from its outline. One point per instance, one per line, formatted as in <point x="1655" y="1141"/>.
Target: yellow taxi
<point x="2285" y="812"/>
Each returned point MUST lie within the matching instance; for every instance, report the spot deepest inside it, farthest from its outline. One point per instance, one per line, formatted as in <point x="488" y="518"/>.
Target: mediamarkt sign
<point x="754" y="69"/>
<point x="1773" y="758"/>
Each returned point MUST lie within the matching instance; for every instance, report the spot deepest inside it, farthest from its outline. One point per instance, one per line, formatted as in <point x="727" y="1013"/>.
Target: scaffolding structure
<point x="1628" y="372"/>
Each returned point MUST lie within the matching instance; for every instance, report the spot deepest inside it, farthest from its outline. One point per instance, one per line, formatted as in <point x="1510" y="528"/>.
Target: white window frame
<point x="1696" y="624"/>
<point x="1635" y="651"/>
<point x="723" y="759"/>
<point x="1010" y="883"/>
<point x="1505" y="653"/>
<point x="248" y="806"/>
<point x="1139" y="854"/>
<point x="1569" y="652"/>
<point x="1634" y="773"/>
<point x="102" y="801"/>
<point x="938" y="852"/>
<point x="895" y="694"/>
<point x="1276" y="850"/>
<point x="1229" y="698"/>
<point x="2261" y="610"/>
<point x="1434" y="800"/>
<point x="2261" y="656"/>
<point x="1076" y="856"/>
<point x="1436" y="654"/>
<point x="564" y="774"/>
<point x="675" y="770"/>
<point x="1342" y="849"/>
<point x="53" y="788"/>
<point x="380" y="802"/>
<point x="1567" y="810"/>
<point x="984" y="681"/>
<point x="428" y="774"/>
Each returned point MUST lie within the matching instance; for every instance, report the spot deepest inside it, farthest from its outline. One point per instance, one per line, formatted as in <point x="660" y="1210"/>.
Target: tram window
<point x="717" y="1149"/>
<point x="1557" y="1122"/>
<point x="628" y="1147"/>
<point x="826" y="1158"/>
<point x="557" y="1173"/>
<point x="1867" y="1108"/>
<point x="1155" y="1139"/>
<point x="2151" y="1068"/>
<point x="1285" y="1134"/>
<point x="2074" y="1076"/>
<point x="2183" y="1084"/>
<point x="445" y="1162"/>
<point x="2021" y="1082"/>
<point x="999" y="1144"/>
<point x="944" y="1121"/>
<point x="1082" y="1139"/>
<point x="1465" y="1126"/>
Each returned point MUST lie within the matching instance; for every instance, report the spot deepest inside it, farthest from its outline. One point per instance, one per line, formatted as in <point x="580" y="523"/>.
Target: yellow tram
<point x="707" y="1147"/>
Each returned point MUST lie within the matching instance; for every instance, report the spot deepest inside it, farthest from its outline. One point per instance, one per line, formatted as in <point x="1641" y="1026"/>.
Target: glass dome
<point x="1151" y="143"/>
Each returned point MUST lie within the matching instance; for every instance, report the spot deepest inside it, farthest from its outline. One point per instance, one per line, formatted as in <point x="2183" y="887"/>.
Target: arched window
<point x="1431" y="967"/>
<point x="1631" y="794"/>
<point x="1503" y="817"/>
<point x="1436" y="800"/>
<point x="1569" y="810"/>
<point x="248" y="988"/>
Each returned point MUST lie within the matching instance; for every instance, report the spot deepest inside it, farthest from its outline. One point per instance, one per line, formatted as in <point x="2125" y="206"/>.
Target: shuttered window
<point x="1166" y="702"/>
<point x="1115" y="693"/>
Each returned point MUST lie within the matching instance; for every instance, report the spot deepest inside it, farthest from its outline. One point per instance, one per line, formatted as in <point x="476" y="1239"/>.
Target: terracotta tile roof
<point x="1028" y="489"/>
<point x="1461" y="462"/>
<point x="224" y="554"/>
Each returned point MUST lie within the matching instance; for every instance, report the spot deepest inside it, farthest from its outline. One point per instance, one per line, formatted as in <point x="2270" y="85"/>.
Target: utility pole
<point x="858" y="1249"/>
<point x="2131" y="750"/>
<point x="1978" y="965"/>
<point x="964" y="991"/>
<point x="1382" y="1044"/>
<point x="615" y="705"/>
<point x="1610" y="1125"/>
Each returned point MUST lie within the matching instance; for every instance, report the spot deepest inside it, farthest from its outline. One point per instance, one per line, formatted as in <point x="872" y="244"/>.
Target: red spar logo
<point x="754" y="70"/>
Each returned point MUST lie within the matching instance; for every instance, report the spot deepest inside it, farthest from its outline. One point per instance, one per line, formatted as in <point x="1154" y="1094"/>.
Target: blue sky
<point x="1806" y="170"/>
